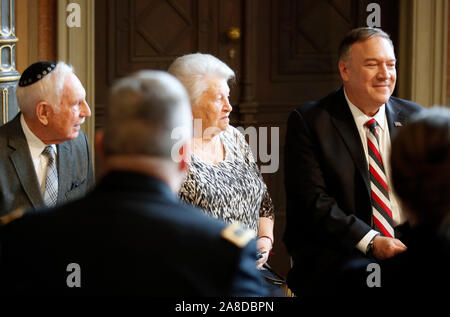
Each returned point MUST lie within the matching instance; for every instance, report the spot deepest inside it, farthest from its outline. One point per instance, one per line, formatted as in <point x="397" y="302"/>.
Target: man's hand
<point x="384" y="247"/>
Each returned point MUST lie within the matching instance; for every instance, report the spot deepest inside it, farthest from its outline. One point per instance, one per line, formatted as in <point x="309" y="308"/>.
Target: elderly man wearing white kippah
<point x="44" y="156"/>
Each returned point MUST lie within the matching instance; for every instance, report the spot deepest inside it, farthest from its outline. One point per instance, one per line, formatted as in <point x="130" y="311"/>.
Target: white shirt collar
<point x="34" y="143"/>
<point x="361" y="118"/>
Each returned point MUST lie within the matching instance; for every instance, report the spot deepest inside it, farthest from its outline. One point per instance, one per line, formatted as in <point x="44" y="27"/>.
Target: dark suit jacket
<point x="132" y="236"/>
<point x="423" y="269"/>
<point x="328" y="188"/>
<point x="19" y="186"/>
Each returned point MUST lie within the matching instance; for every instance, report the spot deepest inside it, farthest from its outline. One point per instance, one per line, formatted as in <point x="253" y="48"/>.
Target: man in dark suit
<point x="53" y="106"/>
<point x="131" y="235"/>
<point x="420" y="163"/>
<point x="340" y="204"/>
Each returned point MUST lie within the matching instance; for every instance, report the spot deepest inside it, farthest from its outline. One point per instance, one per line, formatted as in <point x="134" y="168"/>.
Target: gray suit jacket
<point x="19" y="187"/>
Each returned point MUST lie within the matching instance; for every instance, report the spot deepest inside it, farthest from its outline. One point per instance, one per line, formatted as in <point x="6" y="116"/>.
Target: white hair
<point x="194" y="71"/>
<point x="49" y="88"/>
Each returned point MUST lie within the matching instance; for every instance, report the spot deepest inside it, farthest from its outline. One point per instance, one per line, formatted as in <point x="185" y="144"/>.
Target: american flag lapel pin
<point x="398" y="124"/>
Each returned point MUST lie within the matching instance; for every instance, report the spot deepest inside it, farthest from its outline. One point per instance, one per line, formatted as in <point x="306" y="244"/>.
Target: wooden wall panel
<point x="142" y="34"/>
<point x="303" y="49"/>
<point x="47" y="32"/>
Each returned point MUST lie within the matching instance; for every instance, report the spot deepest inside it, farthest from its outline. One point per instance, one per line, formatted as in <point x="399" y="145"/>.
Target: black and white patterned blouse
<point x="233" y="189"/>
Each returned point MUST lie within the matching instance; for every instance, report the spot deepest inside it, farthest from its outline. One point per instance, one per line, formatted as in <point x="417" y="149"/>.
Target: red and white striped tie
<point x="381" y="205"/>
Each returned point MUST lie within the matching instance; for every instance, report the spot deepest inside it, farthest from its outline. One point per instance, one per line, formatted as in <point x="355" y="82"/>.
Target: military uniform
<point x="130" y="236"/>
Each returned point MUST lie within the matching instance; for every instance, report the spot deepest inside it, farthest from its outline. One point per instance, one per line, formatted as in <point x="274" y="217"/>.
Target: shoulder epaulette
<point x="237" y="234"/>
<point x="13" y="215"/>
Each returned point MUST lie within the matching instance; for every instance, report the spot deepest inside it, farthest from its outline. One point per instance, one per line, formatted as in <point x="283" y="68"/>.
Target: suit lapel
<point x="64" y="168"/>
<point x="21" y="159"/>
<point x="394" y="117"/>
<point x="343" y="121"/>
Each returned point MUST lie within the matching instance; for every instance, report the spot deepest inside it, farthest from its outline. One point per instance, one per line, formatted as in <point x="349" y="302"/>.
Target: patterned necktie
<point x="51" y="180"/>
<point x="381" y="205"/>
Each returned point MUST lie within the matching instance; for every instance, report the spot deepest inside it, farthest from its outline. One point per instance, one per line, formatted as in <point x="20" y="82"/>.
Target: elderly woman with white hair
<point x="224" y="179"/>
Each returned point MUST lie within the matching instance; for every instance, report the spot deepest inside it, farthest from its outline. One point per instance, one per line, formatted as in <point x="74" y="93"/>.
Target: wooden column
<point x="8" y="73"/>
<point x="47" y="33"/>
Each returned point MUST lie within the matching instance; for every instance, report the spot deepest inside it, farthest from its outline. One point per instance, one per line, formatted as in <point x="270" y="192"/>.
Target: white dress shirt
<point x="385" y="151"/>
<point x="36" y="147"/>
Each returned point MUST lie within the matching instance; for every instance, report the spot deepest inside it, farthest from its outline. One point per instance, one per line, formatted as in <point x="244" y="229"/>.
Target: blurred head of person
<point x="147" y="127"/>
<point x="420" y="160"/>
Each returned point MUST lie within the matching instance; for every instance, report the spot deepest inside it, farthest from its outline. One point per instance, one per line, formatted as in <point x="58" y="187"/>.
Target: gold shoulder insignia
<point x="237" y="234"/>
<point x="13" y="215"/>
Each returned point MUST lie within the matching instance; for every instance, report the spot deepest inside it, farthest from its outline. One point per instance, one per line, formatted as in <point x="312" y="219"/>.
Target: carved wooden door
<point x="149" y="34"/>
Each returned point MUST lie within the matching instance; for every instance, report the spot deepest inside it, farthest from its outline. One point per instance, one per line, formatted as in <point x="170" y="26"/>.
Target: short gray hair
<point x="193" y="70"/>
<point x="49" y="88"/>
<point x="360" y="35"/>
<point x="143" y="111"/>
